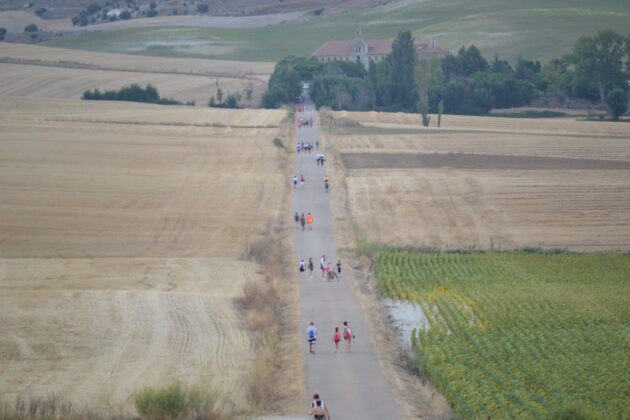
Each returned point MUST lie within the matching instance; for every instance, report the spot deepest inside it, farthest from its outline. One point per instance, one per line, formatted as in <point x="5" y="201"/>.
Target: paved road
<point x="352" y="384"/>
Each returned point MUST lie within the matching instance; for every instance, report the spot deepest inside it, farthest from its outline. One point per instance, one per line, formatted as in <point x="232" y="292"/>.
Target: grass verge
<point x="181" y="402"/>
<point x="275" y="382"/>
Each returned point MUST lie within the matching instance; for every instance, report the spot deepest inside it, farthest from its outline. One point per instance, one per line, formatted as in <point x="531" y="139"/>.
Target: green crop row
<point x="516" y="335"/>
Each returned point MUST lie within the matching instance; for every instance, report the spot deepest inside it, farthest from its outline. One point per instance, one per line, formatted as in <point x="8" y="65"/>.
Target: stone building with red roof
<point x="370" y="50"/>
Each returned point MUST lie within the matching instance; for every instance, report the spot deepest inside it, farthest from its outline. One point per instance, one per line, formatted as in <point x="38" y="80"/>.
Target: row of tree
<point x="597" y="69"/>
<point x="131" y="93"/>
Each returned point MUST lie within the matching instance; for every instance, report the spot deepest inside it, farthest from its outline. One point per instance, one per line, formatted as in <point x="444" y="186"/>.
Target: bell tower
<point x="358" y="47"/>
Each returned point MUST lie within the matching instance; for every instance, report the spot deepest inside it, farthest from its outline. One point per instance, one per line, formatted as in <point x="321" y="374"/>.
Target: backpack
<point x="347" y="333"/>
<point x="311" y="334"/>
<point x="337" y="336"/>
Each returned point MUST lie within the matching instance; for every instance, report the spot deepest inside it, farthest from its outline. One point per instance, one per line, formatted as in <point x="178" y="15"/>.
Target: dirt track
<point x="475" y="161"/>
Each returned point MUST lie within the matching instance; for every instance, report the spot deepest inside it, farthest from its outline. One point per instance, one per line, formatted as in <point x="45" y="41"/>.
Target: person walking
<point x="302" y="266"/>
<point x="311" y="336"/>
<point x="338" y="269"/>
<point x="302" y="221"/>
<point x="302" y="181"/>
<point x="348" y="336"/>
<point x="295" y="181"/>
<point x="296" y="218"/>
<point x="309" y="221"/>
<point x="322" y="264"/>
<point x="336" y="339"/>
<point x="310" y="267"/>
<point x="318" y="408"/>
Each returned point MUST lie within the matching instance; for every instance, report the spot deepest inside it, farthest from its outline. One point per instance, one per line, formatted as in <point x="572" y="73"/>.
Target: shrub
<point x="31" y="28"/>
<point x="41" y="11"/>
<point x="177" y="401"/>
<point x="617" y="101"/>
<point x="132" y="93"/>
<point x="230" y="102"/>
<point x="158" y="403"/>
<point x="126" y="15"/>
<point x="203" y="8"/>
<point x="152" y="13"/>
<point x="93" y="8"/>
<point x="3" y="33"/>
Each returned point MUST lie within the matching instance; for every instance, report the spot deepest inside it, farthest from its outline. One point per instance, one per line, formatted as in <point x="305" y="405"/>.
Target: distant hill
<point x="535" y="29"/>
<point x="69" y="8"/>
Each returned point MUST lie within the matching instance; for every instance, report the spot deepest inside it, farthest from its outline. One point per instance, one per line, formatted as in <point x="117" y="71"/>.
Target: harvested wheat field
<point x="67" y="83"/>
<point x="486" y="182"/>
<point x="122" y="245"/>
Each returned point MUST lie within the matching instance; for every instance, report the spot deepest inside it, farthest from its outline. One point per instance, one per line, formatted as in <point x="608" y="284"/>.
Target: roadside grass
<point x="518" y="334"/>
<point x="275" y="381"/>
<point x="50" y="407"/>
<point x="184" y="402"/>
<point x="533" y="29"/>
<point x="173" y="401"/>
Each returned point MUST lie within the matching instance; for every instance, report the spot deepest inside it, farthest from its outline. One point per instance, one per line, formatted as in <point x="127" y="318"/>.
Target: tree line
<point x="597" y="70"/>
<point x="132" y="93"/>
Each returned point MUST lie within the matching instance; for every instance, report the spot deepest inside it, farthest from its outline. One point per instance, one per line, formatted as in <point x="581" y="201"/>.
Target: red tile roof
<point x="333" y="49"/>
<point x="379" y="46"/>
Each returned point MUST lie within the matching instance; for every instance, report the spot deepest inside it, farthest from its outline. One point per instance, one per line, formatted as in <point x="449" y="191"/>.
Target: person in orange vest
<point x="309" y="221"/>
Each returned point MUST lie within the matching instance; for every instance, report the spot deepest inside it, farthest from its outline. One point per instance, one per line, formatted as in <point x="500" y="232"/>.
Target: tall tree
<point x="471" y="61"/>
<point x="422" y="76"/>
<point x="599" y="58"/>
<point x="403" y="64"/>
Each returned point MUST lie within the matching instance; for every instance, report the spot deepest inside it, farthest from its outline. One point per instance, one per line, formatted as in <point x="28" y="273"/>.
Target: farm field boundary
<point x="475" y="161"/>
<point x="85" y="66"/>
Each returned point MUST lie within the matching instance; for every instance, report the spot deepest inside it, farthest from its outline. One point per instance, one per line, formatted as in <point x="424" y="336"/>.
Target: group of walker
<point x="346" y="334"/>
<point x="306" y="147"/>
<point x="302" y="220"/>
<point x="328" y="271"/>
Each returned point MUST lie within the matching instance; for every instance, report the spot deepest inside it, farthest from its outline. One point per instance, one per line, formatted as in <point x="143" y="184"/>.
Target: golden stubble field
<point x="123" y="230"/>
<point x="561" y="193"/>
<point x="42" y="72"/>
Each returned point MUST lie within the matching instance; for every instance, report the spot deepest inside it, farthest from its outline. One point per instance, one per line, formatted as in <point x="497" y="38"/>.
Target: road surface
<point x="352" y="385"/>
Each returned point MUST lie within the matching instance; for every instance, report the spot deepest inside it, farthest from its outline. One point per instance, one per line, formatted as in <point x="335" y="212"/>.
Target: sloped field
<point x="104" y="61"/>
<point x="122" y="245"/>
